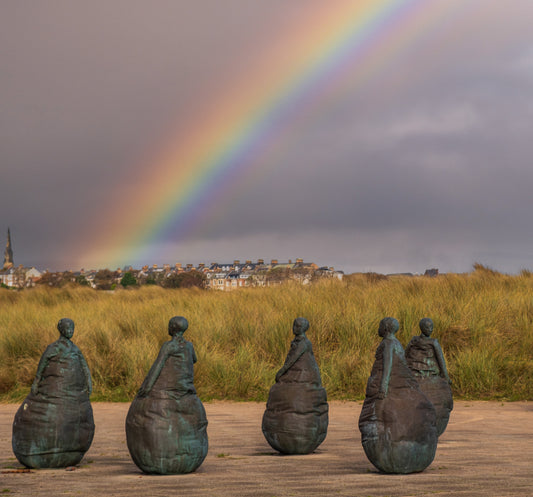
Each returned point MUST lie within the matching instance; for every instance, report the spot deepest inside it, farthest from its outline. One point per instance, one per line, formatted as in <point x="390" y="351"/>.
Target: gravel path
<point x="486" y="451"/>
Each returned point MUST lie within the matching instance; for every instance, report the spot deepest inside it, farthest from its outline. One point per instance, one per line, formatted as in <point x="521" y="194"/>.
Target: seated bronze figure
<point x="54" y="426"/>
<point x="397" y="421"/>
<point x="296" y="416"/>
<point x="425" y="359"/>
<point x="166" y="425"/>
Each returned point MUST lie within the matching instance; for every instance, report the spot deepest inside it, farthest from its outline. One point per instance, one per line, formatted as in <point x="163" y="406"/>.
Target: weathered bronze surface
<point x="397" y="422"/>
<point x="166" y="426"/>
<point x="54" y="426"/>
<point x="296" y="416"/>
<point x="426" y="361"/>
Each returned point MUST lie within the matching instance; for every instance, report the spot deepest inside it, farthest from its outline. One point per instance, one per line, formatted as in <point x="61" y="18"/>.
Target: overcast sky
<point x="427" y="164"/>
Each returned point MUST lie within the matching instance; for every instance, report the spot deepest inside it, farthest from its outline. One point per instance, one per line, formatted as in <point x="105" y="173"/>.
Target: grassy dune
<point x="483" y="320"/>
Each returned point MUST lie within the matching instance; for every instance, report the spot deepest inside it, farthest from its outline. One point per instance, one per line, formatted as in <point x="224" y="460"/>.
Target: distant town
<point x="213" y="276"/>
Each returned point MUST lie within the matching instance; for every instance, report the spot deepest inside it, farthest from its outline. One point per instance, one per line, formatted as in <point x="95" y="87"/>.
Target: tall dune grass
<point x="483" y="320"/>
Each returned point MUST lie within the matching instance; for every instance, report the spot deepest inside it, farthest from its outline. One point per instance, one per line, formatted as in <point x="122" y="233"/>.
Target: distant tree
<point x="56" y="280"/>
<point x="186" y="279"/>
<point x="48" y="278"/>
<point x="104" y="279"/>
<point x="128" y="279"/>
<point x="172" y="281"/>
<point x="277" y="275"/>
<point x="302" y="274"/>
<point x="68" y="277"/>
<point x="82" y="280"/>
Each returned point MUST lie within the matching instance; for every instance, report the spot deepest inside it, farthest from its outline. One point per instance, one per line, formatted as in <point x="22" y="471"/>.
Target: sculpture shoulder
<point x="422" y="343"/>
<point x="186" y="347"/>
<point x="165" y="350"/>
<point x="300" y="344"/>
<point x="395" y="346"/>
<point x="416" y="341"/>
<point x="306" y="343"/>
<point x="56" y="348"/>
<point x="390" y="341"/>
<point x="175" y="347"/>
<point x="435" y="344"/>
<point x="52" y="349"/>
<point x="74" y="348"/>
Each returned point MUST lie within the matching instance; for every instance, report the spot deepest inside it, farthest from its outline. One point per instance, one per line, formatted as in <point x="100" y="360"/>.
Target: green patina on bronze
<point x="296" y="416"/>
<point x="426" y="361"/>
<point x="54" y="426"/>
<point x="166" y="426"/>
<point x="397" y="421"/>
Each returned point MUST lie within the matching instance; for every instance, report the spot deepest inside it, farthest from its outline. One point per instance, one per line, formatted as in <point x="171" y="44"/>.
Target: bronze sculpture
<point x="54" y="426"/>
<point x="397" y="421"/>
<point x="166" y="425"/>
<point x="296" y="416"/>
<point x="425" y="359"/>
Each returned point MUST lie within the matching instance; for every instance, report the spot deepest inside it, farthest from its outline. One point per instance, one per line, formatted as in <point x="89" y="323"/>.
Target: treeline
<point x="105" y="279"/>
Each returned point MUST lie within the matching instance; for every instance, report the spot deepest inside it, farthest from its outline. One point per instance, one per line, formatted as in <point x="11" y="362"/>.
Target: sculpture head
<point x="426" y="326"/>
<point x="177" y="325"/>
<point x="66" y="327"/>
<point x="388" y="326"/>
<point x="300" y="326"/>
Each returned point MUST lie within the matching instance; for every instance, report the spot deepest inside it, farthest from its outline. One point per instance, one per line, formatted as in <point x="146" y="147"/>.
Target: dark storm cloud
<point x="427" y="165"/>
<point x="451" y="163"/>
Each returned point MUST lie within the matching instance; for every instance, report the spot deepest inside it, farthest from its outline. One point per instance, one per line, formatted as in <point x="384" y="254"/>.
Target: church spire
<point x="8" y="253"/>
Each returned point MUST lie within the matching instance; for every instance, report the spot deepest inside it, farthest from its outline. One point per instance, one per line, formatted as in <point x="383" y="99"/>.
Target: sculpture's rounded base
<point x="167" y="436"/>
<point x="52" y="433"/>
<point x="296" y="418"/>
<point x="51" y="460"/>
<point x="401" y="457"/>
<point x="398" y="432"/>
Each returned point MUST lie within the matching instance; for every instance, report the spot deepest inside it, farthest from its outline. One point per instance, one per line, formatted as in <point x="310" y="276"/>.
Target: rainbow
<point x="337" y="47"/>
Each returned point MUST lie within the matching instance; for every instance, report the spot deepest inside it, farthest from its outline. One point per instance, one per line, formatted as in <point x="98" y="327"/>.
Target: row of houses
<point x="238" y="275"/>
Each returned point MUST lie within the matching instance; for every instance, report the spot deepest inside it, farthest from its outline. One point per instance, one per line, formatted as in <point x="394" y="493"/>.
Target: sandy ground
<point x="486" y="451"/>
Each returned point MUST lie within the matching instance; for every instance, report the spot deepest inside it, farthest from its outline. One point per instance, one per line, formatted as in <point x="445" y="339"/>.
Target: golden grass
<point x="483" y="320"/>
